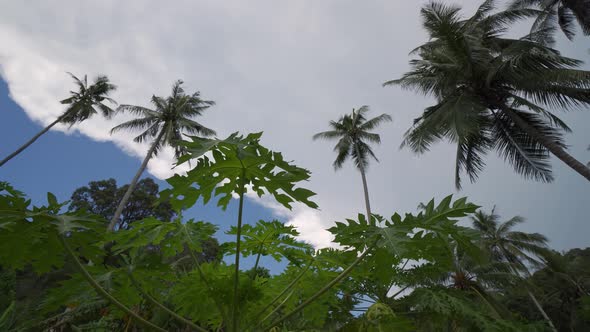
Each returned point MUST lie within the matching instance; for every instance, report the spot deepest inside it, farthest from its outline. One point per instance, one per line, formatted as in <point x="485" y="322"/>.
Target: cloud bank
<point x="285" y="68"/>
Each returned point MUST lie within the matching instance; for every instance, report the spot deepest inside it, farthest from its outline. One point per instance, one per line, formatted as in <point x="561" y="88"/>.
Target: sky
<point x="284" y="68"/>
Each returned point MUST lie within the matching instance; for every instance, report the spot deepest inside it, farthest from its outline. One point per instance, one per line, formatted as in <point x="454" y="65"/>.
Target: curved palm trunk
<point x="530" y="294"/>
<point x="129" y="191"/>
<point x="550" y="145"/>
<point x="31" y="141"/>
<point x="366" y="190"/>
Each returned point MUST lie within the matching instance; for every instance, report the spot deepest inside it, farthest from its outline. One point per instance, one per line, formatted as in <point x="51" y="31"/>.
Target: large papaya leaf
<point x="411" y="236"/>
<point x="270" y="238"/>
<point x="225" y="166"/>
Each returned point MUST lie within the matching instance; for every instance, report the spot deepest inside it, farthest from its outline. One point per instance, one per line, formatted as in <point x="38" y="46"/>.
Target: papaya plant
<point x="151" y="277"/>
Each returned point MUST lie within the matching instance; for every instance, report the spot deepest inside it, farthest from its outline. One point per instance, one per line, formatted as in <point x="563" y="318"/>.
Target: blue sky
<point x="286" y="69"/>
<point x="60" y="163"/>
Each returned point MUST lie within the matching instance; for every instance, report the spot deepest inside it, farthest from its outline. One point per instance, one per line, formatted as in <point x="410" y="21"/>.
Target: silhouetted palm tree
<point x="492" y="92"/>
<point x="513" y="247"/>
<point x="171" y="118"/>
<point x="83" y="104"/>
<point x="353" y="133"/>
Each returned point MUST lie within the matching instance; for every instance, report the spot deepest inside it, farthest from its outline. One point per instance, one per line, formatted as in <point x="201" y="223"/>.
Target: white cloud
<point x="283" y="67"/>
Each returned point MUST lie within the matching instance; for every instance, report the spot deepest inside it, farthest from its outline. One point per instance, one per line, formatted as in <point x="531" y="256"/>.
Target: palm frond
<point x="193" y="127"/>
<point x="469" y="158"/>
<point x="343" y="148"/>
<point x="526" y="155"/>
<point x="566" y="18"/>
<point x="138" y="110"/>
<point x="136" y="124"/>
<point x="376" y="121"/>
<point x="328" y="135"/>
<point x="150" y="132"/>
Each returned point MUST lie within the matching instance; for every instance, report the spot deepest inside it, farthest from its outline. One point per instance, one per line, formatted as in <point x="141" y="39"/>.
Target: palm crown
<point x="83" y="104"/>
<point x="352" y="132"/>
<point x="171" y="118"/>
<point x="165" y="124"/>
<point x="506" y="244"/>
<point x="493" y="92"/>
<point x="88" y="100"/>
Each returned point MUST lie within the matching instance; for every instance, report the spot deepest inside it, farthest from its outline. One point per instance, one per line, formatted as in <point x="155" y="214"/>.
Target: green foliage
<point x="412" y="236"/>
<point x="455" y="304"/>
<point x="234" y="162"/>
<point x="6" y="316"/>
<point x="171" y="237"/>
<point x="270" y="238"/>
<point x="35" y="232"/>
<point x="154" y="273"/>
<point x="102" y="198"/>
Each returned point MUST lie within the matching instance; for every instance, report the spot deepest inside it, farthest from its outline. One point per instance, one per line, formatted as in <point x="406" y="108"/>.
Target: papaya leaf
<point x="271" y="239"/>
<point x="222" y="164"/>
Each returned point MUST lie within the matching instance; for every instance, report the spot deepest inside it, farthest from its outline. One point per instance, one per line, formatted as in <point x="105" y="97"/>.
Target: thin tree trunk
<point x="31" y="141"/>
<point x="530" y="294"/>
<point x="366" y="190"/>
<point x="540" y="308"/>
<point x="555" y="149"/>
<point x="129" y="191"/>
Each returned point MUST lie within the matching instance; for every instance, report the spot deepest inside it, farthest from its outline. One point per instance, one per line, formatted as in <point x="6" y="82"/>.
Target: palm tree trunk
<point x="555" y="149"/>
<point x="366" y="190"/>
<point x="540" y="308"/>
<point x="31" y="141"/>
<point x="129" y="191"/>
<point x="530" y="294"/>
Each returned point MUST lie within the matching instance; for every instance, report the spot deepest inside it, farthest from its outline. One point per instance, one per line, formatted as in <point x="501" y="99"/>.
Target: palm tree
<point x="492" y="92"/>
<point x="83" y="104"/>
<point x="352" y="132"/>
<point x="565" y="12"/>
<point x="513" y="247"/>
<point x="171" y="118"/>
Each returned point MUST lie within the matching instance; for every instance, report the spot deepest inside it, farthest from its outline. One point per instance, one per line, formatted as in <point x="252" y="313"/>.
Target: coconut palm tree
<point x="353" y="134"/>
<point x="492" y="92"/>
<point x="513" y="247"/>
<point x="561" y="12"/>
<point x="83" y="104"/>
<point x="165" y="125"/>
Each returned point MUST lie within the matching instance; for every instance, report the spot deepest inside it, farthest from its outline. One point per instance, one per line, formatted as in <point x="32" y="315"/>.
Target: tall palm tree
<point x="492" y="92"/>
<point x="83" y="104"/>
<point x="352" y="132"/>
<point x="561" y="12"/>
<point x="513" y="247"/>
<point x="171" y="118"/>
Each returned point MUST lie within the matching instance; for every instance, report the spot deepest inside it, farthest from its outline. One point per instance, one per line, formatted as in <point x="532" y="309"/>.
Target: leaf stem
<point x="257" y="261"/>
<point x="161" y="306"/>
<point x="235" y="310"/>
<point x="101" y="291"/>
<point x="326" y="287"/>
<point x="283" y="292"/>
